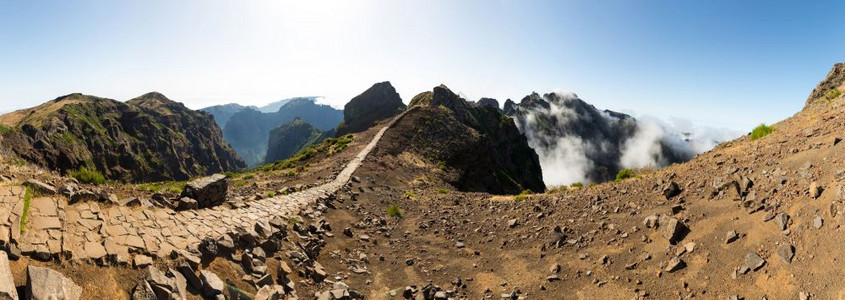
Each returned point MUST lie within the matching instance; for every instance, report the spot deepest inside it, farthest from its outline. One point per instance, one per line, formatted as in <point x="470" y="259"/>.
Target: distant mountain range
<point x="247" y="129"/>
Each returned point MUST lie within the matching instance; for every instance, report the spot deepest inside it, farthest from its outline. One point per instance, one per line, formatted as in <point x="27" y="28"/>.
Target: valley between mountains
<point x="442" y="198"/>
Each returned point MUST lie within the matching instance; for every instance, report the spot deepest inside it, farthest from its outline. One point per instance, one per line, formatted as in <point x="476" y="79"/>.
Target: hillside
<point x="149" y="138"/>
<point x="752" y="219"/>
<point x="222" y="113"/>
<point x="248" y="130"/>
<point x="291" y="138"/>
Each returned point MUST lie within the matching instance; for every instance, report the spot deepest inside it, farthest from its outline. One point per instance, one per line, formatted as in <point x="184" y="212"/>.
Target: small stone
<point x="782" y="221"/>
<point x="142" y="261"/>
<point x="818" y="222"/>
<point x="460" y="245"/>
<point x="786" y="252"/>
<point x="815" y="190"/>
<point x="754" y="261"/>
<point x="552" y="278"/>
<point x="651" y="221"/>
<point x="513" y="223"/>
<point x="671" y="190"/>
<point x="555" y="268"/>
<point x="674" y="264"/>
<point x="731" y="236"/>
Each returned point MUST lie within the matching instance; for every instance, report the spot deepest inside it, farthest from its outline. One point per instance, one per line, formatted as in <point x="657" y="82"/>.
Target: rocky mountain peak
<point x="834" y="80"/>
<point x="379" y="102"/>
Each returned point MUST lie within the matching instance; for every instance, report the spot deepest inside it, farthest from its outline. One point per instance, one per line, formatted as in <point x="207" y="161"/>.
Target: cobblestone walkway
<point x="87" y="231"/>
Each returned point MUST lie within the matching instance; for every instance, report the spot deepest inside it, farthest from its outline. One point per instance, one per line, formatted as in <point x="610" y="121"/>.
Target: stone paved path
<point x="89" y="232"/>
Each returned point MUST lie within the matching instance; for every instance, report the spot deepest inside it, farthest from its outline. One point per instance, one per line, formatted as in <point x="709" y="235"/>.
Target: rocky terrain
<point x="149" y="138"/>
<point x="377" y="103"/>
<point x="389" y="216"/>
<point x="248" y="130"/>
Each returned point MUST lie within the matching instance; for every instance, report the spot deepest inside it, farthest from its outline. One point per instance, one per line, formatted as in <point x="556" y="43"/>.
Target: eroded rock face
<point x="379" y="102"/>
<point x="207" y="191"/>
<point x="149" y="138"/>
<point x="46" y="284"/>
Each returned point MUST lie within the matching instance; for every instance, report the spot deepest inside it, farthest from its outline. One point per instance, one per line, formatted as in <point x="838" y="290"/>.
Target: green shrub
<point x="410" y="194"/>
<point x="624" y="174"/>
<point x="27" y="200"/>
<point x="761" y="131"/>
<point x="91" y="176"/>
<point x="292" y="173"/>
<point x="249" y="176"/>
<point x="441" y="191"/>
<point x="395" y="211"/>
<point x="832" y="94"/>
<point x="576" y="185"/>
<point x="271" y="194"/>
<point x="520" y="198"/>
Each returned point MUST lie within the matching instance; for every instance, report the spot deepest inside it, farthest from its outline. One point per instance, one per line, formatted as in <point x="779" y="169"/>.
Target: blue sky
<point x="728" y="64"/>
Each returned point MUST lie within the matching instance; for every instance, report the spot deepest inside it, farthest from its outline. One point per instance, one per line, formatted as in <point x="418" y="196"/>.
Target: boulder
<point x="7" y="282"/>
<point x="207" y="191"/>
<point x="671" y="229"/>
<point x="44" y="284"/>
<point x="143" y="291"/>
<point x="671" y="190"/>
<point x="211" y="284"/>
<point x="186" y="203"/>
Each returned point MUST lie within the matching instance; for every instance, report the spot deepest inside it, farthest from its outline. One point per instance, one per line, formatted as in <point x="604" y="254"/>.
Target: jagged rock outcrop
<point x="481" y="144"/>
<point x="379" y="102"/>
<point x="291" y="138"/>
<point x="488" y="102"/>
<point x="248" y="130"/>
<point x="834" y="80"/>
<point x="149" y="138"/>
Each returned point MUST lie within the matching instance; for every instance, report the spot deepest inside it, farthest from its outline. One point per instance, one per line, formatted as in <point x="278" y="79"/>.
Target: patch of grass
<point x="520" y="198"/>
<point x="832" y="94"/>
<point x="5" y="129"/>
<point x="395" y="211"/>
<point x="576" y="185"/>
<point x="175" y="187"/>
<point x="27" y="200"/>
<point x="86" y="175"/>
<point x="249" y="177"/>
<point x="410" y="194"/>
<point x="271" y="194"/>
<point x="441" y="191"/>
<point x="292" y="173"/>
<point x="293" y="221"/>
<point x="761" y="131"/>
<point x="624" y="174"/>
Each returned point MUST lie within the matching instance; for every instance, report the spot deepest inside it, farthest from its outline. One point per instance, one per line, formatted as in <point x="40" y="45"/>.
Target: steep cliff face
<point x="379" y="102"/>
<point x="248" y="130"/>
<point x="481" y="144"/>
<point x="579" y="143"/>
<point x="292" y="137"/>
<point x="149" y="138"/>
